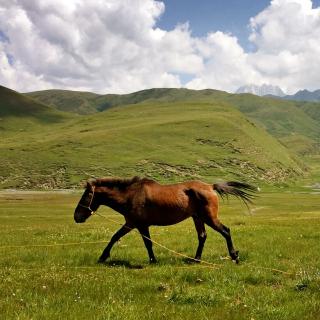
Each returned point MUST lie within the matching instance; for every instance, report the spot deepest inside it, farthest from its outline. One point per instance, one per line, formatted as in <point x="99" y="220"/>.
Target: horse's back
<point x="160" y="204"/>
<point x="174" y="192"/>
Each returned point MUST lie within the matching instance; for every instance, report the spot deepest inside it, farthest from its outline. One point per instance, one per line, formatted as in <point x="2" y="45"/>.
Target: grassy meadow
<point x="48" y="264"/>
<point x="57" y="139"/>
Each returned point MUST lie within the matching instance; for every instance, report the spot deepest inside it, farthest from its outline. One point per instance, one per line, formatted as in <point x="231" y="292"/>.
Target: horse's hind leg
<point x="202" y="236"/>
<point x="225" y="232"/>
<point x="126" y="228"/>
<point x="144" y="231"/>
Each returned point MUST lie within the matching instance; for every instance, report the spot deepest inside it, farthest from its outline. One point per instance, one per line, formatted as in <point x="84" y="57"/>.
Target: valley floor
<point x="48" y="263"/>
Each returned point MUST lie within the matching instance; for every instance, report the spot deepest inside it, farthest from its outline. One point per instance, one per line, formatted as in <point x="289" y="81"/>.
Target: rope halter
<point x="89" y="206"/>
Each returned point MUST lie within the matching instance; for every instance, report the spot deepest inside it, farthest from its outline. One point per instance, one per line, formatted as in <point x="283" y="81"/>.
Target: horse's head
<point x="88" y="203"/>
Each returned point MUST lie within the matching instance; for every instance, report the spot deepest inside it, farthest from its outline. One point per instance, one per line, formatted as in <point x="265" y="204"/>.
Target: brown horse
<point x="144" y="202"/>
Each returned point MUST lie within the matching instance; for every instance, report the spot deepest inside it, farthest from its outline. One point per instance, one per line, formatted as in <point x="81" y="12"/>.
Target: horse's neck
<point x="114" y="198"/>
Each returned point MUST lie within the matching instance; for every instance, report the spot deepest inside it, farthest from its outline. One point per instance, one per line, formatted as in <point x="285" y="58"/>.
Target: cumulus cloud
<point x="116" y="46"/>
<point x="98" y="45"/>
<point x="287" y="51"/>
<point x="226" y="63"/>
<point x="286" y="35"/>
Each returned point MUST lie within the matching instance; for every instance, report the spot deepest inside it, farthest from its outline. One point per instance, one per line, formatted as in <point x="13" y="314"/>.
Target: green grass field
<point x="48" y="264"/>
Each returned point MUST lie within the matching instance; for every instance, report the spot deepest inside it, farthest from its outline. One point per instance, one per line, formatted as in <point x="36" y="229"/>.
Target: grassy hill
<point x="87" y="103"/>
<point x="66" y="100"/>
<point x="14" y="104"/>
<point x="161" y="137"/>
<point x="311" y="109"/>
<point x="294" y="123"/>
<point x="279" y="117"/>
<point x="21" y="113"/>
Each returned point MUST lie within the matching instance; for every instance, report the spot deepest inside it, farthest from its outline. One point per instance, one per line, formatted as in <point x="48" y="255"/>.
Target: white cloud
<point x="287" y="41"/>
<point x="226" y="64"/>
<point x="116" y="46"/>
<point x="286" y="36"/>
<point x="102" y="46"/>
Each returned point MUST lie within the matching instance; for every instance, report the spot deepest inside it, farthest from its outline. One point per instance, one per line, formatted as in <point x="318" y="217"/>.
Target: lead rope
<point x="208" y="264"/>
<point x="212" y="265"/>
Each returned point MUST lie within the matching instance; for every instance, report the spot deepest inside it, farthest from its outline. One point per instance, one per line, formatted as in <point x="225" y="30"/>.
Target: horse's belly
<point x="166" y="215"/>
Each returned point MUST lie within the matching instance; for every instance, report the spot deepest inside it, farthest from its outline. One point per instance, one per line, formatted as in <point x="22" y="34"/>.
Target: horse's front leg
<point x="144" y="231"/>
<point x="126" y="228"/>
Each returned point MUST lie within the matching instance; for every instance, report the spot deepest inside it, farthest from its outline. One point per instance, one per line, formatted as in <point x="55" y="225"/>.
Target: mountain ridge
<point x="304" y="95"/>
<point x="280" y="117"/>
<point x="16" y="105"/>
<point x="261" y="90"/>
<point x="167" y="134"/>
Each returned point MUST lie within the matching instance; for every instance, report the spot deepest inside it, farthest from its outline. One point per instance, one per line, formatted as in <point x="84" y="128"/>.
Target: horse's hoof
<point x="235" y="257"/>
<point x="192" y="260"/>
<point x="101" y="261"/>
<point x="153" y="261"/>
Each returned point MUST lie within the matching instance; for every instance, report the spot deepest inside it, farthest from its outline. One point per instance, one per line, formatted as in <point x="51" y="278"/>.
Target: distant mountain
<point x="262" y="90"/>
<point x="168" y="134"/>
<point x="237" y="136"/>
<point x="16" y="105"/>
<point x="279" y="117"/>
<point x="88" y="103"/>
<point x="67" y="100"/>
<point x="305" y="95"/>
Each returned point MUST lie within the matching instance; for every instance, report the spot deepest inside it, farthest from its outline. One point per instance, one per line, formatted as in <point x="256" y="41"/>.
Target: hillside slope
<point x="169" y="141"/>
<point x="18" y="112"/>
<point x="296" y="124"/>
<point x="88" y="103"/>
<point x="66" y="100"/>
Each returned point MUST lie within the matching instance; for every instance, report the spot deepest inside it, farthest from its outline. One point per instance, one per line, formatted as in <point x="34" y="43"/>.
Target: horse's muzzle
<point x="79" y="220"/>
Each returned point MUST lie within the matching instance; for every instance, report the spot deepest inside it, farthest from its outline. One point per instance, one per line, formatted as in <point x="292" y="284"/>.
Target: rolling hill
<point x="288" y="121"/>
<point x="88" y="103"/>
<point x="14" y="104"/>
<point x="66" y="100"/>
<point x="295" y="124"/>
<point x="167" y="134"/>
<point x="279" y="117"/>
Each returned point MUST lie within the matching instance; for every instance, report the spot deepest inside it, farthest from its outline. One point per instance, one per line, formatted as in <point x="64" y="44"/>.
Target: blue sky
<point x="231" y="16"/>
<point x="120" y="46"/>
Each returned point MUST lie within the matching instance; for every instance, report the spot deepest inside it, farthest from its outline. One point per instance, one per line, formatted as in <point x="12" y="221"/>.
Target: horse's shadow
<point x="128" y="265"/>
<point x="166" y="262"/>
<point x="123" y="263"/>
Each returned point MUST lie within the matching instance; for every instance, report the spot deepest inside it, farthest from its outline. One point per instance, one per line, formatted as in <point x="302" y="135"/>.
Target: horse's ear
<point x="135" y="179"/>
<point x="91" y="183"/>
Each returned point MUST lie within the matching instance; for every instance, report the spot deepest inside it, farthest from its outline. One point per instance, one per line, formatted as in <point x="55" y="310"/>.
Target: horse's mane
<point x="114" y="182"/>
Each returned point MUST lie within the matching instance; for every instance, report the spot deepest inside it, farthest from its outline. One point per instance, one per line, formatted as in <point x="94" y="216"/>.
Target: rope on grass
<point x="209" y="264"/>
<point x="203" y="262"/>
<point x="50" y="244"/>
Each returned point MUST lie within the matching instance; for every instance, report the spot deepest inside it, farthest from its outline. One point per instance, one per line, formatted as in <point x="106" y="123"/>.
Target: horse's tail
<point x="243" y="191"/>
